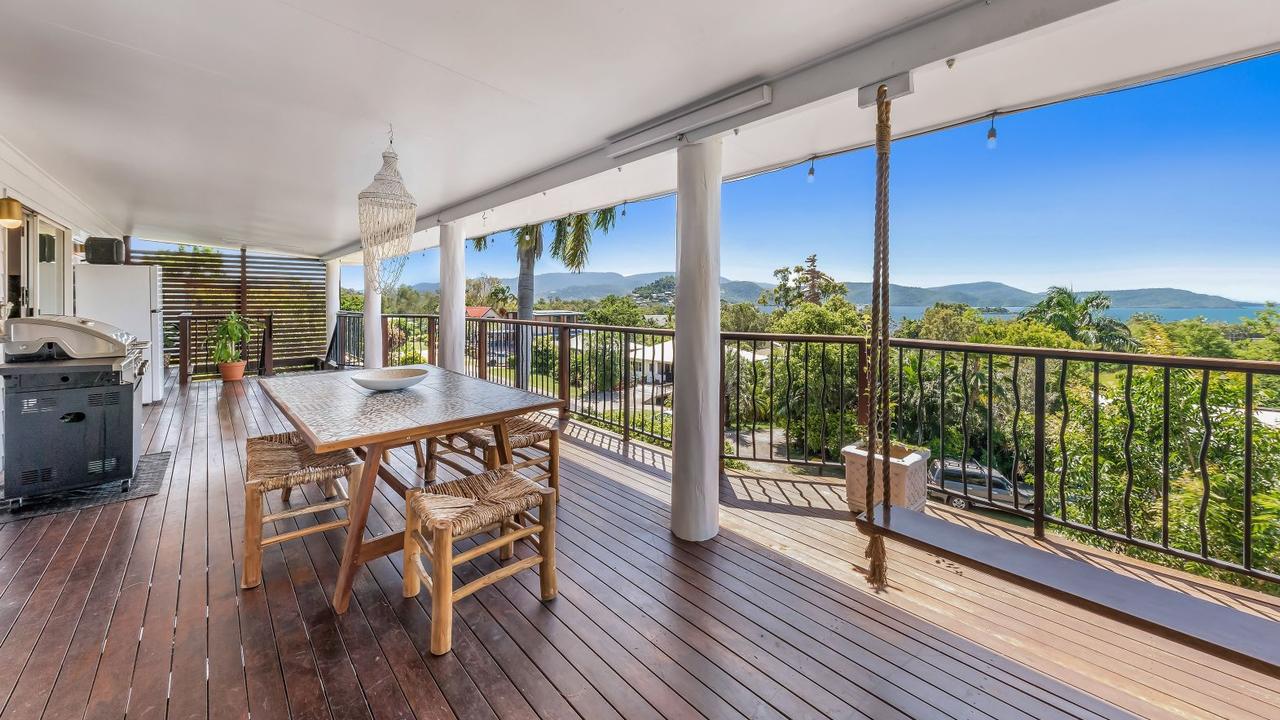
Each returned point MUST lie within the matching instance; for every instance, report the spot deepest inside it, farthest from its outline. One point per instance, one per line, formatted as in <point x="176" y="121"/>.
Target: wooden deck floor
<point x="133" y="609"/>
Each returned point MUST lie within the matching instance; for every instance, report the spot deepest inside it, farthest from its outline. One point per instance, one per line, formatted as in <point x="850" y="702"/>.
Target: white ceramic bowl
<point x="389" y="378"/>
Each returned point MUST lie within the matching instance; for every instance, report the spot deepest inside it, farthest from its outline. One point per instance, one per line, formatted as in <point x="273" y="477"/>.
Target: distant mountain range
<point x="594" y="285"/>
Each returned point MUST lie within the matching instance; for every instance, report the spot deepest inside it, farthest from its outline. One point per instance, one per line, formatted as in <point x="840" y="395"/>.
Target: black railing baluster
<point x="1204" y="462"/>
<point x="964" y="424"/>
<point x="789" y="400"/>
<point x="920" y="416"/>
<point x="1038" y="449"/>
<point x="1096" y="425"/>
<point x="1063" y="460"/>
<point x="1017" y="411"/>
<point x="1164" y="462"/>
<point x="822" y="402"/>
<point x="1248" y="471"/>
<point x="990" y="463"/>
<point x="1128" y="451"/>
<point x="942" y="415"/>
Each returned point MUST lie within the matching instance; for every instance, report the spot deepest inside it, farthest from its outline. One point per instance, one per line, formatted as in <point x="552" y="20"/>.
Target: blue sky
<point x="1175" y="184"/>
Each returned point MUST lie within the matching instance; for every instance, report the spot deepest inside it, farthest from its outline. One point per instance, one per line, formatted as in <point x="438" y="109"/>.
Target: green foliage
<point x="350" y="300"/>
<point x="597" y="363"/>
<point x="662" y="290"/>
<point x="408" y="301"/>
<point x="617" y="310"/>
<point x="836" y="317"/>
<point x="1082" y="318"/>
<point x="227" y="338"/>
<point x="743" y="317"/>
<point x="944" y="321"/>
<point x="801" y="284"/>
<point x="1022" y="332"/>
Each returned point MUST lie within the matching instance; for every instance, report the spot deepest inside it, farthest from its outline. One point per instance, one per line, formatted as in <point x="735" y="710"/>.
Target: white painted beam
<point x="453" y="283"/>
<point x="696" y="440"/>
<point x="935" y="37"/>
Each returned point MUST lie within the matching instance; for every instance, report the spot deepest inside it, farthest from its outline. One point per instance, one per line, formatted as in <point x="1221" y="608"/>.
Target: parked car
<point x="964" y="488"/>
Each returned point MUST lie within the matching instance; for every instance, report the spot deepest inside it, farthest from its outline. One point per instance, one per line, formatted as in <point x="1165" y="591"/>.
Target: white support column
<point x="332" y="281"/>
<point x="696" y="433"/>
<point x="453" y="287"/>
<point x="372" y="322"/>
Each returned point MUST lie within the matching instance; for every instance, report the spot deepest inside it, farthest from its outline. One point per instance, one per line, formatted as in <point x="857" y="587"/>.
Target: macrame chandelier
<point x="387" y="216"/>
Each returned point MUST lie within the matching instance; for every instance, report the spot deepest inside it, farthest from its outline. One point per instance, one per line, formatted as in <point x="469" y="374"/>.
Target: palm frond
<point x="480" y="242"/>
<point x="578" y="242"/>
<point x="605" y="218"/>
<point x="560" y="236"/>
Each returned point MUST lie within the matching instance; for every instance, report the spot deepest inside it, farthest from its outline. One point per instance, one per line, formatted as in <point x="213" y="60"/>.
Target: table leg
<point x="357" y="513"/>
<point x="503" y="448"/>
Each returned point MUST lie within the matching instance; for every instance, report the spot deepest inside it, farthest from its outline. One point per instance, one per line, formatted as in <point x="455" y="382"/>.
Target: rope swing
<point x="879" y="442"/>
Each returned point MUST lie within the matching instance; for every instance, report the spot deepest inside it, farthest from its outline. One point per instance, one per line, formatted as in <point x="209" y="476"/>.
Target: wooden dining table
<point x="334" y="413"/>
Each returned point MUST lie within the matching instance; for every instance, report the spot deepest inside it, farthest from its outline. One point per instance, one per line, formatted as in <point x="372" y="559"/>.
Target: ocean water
<point x="1229" y="315"/>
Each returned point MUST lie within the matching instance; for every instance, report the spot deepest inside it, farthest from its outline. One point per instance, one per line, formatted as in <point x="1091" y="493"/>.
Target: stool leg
<point x="285" y="493"/>
<point x="330" y="488"/>
<point x="554" y="465"/>
<point x="547" y="543"/>
<point x="441" y="588"/>
<point x="251" y="575"/>
<point x="412" y="552"/>
<point x="506" y="552"/>
<point x="490" y="458"/>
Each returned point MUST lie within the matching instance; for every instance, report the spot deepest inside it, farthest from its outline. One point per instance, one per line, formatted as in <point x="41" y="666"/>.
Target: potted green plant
<point x="231" y="333"/>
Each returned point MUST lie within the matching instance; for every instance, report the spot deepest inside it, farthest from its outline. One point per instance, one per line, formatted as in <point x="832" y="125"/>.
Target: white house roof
<point x="255" y="123"/>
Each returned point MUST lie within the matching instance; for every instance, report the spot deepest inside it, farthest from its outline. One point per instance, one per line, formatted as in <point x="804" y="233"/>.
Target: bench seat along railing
<point x="1170" y="457"/>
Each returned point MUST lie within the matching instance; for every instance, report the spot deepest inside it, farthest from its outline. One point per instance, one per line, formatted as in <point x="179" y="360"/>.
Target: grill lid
<point x="63" y="336"/>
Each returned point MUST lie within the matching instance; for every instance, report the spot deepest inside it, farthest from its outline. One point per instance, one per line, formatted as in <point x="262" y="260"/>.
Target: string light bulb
<point x="991" y="134"/>
<point x="809" y="177"/>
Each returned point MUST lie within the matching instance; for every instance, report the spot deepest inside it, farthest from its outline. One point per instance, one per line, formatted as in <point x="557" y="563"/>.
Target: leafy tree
<point x="801" y="284"/>
<point x="350" y="300"/>
<point x="944" y="321"/>
<point x="1194" y="337"/>
<point x="488" y="291"/>
<point x="835" y="317"/>
<point x="1022" y="332"/>
<point x="617" y="310"/>
<point x="742" y="317"/>
<point x="406" y="300"/>
<point x="1081" y="317"/>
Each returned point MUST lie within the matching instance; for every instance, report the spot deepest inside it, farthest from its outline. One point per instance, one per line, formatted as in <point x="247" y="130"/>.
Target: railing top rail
<point x="1101" y="356"/>
<point x="1071" y="355"/>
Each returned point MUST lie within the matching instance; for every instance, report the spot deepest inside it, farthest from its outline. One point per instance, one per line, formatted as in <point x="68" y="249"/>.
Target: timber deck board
<point x="134" y="610"/>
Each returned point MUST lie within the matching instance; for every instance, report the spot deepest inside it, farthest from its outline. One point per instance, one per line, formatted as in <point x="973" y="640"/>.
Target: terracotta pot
<point x="231" y="371"/>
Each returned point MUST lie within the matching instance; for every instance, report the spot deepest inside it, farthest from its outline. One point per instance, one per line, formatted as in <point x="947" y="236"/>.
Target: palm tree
<point x="570" y="244"/>
<point x="1082" y="317"/>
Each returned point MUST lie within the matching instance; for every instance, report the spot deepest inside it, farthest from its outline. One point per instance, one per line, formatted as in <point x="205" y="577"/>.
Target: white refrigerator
<point x="131" y="298"/>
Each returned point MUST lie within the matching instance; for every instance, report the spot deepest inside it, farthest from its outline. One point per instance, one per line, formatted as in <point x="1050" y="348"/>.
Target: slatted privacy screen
<point x="209" y="283"/>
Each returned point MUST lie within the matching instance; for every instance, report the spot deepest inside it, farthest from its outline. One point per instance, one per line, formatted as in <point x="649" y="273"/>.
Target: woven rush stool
<point x="480" y="444"/>
<point x="497" y="500"/>
<point x="282" y="462"/>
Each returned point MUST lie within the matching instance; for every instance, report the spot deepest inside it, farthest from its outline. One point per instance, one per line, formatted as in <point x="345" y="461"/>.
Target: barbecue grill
<point x="72" y="405"/>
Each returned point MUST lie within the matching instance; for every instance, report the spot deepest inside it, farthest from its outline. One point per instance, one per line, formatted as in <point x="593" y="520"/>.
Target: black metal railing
<point x="195" y="337"/>
<point x="1168" y="455"/>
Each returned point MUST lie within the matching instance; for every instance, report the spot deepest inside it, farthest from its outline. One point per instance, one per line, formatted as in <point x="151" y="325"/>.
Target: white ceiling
<point x="256" y="122"/>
